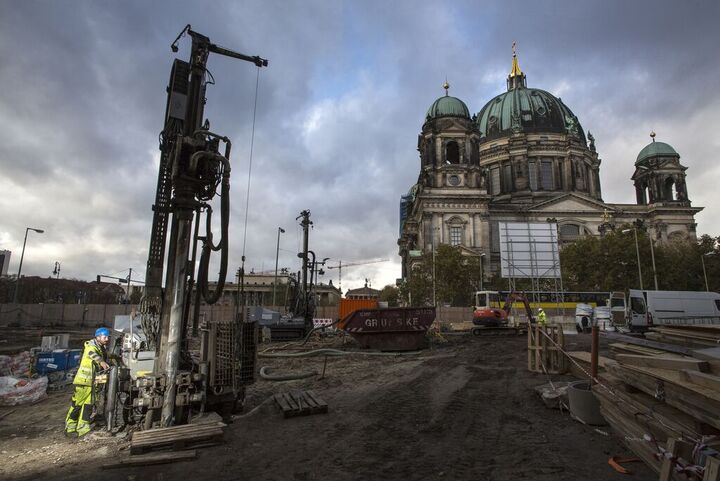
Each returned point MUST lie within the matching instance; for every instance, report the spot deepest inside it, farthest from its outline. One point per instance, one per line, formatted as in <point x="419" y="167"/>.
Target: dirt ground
<point x="461" y="410"/>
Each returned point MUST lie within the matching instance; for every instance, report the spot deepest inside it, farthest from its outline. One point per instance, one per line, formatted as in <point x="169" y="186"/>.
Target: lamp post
<point x="637" y="250"/>
<point x="17" y="284"/>
<point x="277" y="252"/>
<point x="435" y="229"/>
<point x="482" y="256"/>
<point x="702" y="259"/>
<point x="652" y="256"/>
<point x="433" y="275"/>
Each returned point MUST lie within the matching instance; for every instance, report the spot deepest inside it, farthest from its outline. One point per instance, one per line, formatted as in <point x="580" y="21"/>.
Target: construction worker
<point x="541" y="317"/>
<point x="94" y="358"/>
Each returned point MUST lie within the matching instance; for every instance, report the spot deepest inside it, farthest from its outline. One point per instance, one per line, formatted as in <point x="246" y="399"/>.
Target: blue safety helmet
<point x="102" y="331"/>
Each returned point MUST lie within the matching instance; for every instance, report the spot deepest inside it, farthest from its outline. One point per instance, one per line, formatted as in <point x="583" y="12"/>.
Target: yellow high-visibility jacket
<point x="93" y="355"/>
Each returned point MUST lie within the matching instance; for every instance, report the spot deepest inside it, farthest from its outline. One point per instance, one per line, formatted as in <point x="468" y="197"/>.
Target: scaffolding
<point x="530" y="251"/>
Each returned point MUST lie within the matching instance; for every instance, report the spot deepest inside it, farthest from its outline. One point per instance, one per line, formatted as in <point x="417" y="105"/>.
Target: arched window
<point x="669" y="192"/>
<point x="456" y="231"/>
<point x="569" y="230"/>
<point x="452" y="152"/>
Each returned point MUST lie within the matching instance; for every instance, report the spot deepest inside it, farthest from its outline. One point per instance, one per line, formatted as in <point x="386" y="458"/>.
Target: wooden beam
<point x="712" y="469"/>
<point x="664" y="362"/>
<point x="644" y="342"/>
<point x="701" y="378"/>
<point x="155" y="458"/>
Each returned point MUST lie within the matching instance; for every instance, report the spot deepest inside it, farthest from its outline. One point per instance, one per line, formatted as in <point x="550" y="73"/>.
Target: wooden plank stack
<point x="580" y="363"/>
<point x="545" y="346"/>
<point x="300" y="403"/>
<point x="177" y="438"/>
<point x="691" y="336"/>
<point x="659" y="400"/>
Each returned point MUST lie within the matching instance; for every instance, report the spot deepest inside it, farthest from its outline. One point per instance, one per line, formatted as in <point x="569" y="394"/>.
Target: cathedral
<point x="524" y="157"/>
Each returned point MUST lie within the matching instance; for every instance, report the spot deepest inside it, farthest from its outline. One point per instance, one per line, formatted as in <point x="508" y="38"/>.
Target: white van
<point x="649" y="308"/>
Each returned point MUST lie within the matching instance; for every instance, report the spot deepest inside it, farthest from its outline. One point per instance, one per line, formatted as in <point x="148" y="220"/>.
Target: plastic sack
<point x="17" y="365"/>
<point x="14" y="391"/>
<point x="5" y="365"/>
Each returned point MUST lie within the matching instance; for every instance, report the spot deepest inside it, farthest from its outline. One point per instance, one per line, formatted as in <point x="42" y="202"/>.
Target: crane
<point x="340" y="265"/>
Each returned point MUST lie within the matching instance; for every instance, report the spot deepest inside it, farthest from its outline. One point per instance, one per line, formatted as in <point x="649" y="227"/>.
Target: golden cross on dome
<point x="515" y="70"/>
<point x="606" y="217"/>
<point x="446" y="86"/>
<point x="652" y="134"/>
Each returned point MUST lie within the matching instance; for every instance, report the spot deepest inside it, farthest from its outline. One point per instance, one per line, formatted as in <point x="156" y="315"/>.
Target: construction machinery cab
<point x="489" y="313"/>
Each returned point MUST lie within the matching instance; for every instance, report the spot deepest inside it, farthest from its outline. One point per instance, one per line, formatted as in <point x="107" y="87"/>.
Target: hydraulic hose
<point x="285" y="377"/>
<point x="336" y="352"/>
<point x="208" y="246"/>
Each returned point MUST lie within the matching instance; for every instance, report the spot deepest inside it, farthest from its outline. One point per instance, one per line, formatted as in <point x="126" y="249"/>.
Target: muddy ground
<point x="464" y="409"/>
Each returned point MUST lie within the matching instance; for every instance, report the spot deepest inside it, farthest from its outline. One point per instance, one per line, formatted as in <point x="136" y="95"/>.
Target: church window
<point x="455" y="236"/>
<point x="580" y="176"/>
<point x="495" y="180"/>
<point x="507" y="178"/>
<point x="569" y="230"/>
<point x="546" y="175"/>
<point x="495" y="237"/>
<point x="669" y="189"/>
<point x="452" y="152"/>
<point x="561" y="180"/>
<point x="532" y="171"/>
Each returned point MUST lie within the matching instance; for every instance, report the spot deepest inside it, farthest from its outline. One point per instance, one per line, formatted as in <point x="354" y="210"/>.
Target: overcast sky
<point x="340" y="106"/>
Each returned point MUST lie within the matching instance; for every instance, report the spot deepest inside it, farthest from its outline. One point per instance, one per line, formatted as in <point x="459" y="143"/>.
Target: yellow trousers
<point x="81" y="406"/>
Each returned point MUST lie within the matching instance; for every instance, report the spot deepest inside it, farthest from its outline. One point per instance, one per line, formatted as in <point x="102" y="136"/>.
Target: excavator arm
<point x="515" y="297"/>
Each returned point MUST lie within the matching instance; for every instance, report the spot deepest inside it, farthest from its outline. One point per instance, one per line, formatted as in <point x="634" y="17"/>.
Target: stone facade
<point x="525" y="158"/>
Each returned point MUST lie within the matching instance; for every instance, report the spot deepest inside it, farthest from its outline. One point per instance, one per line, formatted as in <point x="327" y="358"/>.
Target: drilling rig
<point x="195" y="366"/>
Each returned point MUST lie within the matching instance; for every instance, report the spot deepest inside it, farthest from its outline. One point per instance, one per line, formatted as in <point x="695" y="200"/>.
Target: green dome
<point x="654" y="149"/>
<point x="526" y="110"/>
<point x="447" y="106"/>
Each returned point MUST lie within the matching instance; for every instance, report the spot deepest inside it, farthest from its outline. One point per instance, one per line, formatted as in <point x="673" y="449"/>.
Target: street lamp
<point x="482" y="256"/>
<point x="277" y="252"/>
<point x="637" y="250"/>
<point x="702" y="258"/>
<point x="434" y="229"/>
<point x="17" y="284"/>
<point x="652" y="256"/>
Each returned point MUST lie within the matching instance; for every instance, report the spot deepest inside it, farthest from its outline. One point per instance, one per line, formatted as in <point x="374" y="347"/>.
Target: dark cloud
<point x="339" y="110"/>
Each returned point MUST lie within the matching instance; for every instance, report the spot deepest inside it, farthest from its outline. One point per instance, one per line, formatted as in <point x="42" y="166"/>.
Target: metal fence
<point x="93" y="315"/>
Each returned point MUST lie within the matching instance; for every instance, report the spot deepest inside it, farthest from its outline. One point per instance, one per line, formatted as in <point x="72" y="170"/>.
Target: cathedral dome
<point x="655" y="149"/>
<point x="523" y="109"/>
<point x="526" y="110"/>
<point x="447" y="106"/>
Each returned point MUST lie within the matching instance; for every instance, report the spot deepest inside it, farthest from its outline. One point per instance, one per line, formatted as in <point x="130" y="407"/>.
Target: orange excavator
<point x="488" y="316"/>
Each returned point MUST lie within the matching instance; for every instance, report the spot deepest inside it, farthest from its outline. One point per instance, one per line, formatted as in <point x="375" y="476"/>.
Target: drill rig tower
<point x="191" y="171"/>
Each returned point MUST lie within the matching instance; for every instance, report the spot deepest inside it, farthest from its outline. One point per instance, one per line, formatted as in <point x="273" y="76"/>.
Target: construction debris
<point x="664" y="404"/>
<point x="300" y="403"/>
<point x="153" y="458"/>
<point x="177" y="438"/>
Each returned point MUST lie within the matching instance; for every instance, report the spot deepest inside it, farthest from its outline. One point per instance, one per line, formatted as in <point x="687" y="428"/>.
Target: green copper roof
<point x="524" y="109"/>
<point x="654" y="149"/>
<point x="447" y="106"/>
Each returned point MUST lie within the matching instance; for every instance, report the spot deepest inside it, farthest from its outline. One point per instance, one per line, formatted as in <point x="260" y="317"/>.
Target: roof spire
<point x="516" y="78"/>
<point x="652" y="134"/>
<point x="515" y="70"/>
<point x="446" y="86"/>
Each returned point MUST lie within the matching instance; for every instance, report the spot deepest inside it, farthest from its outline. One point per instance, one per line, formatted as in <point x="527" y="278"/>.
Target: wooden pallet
<point x="300" y="403"/>
<point x="544" y="355"/>
<point x="177" y="438"/>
